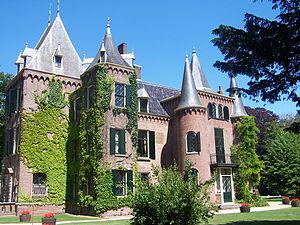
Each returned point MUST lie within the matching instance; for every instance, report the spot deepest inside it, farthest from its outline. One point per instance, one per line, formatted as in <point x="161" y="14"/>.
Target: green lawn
<point x="290" y="216"/>
<point x="60" y="217"/>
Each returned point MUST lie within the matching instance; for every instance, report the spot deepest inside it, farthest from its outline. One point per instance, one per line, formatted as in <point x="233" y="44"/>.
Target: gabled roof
<point x="55" y="35"/>
<point x="189" y="96"/>
<point x="238" y="109"/>
<point x="201" y="82"/>
<point x="112" y="53"/>
<point x="156" y="94"/>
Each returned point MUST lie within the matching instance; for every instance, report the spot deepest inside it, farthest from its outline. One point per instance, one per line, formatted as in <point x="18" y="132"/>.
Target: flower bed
<point x="48" y="219"/>
<point x="25" y="216"/>
<point x="285" y="200"/>
<point x="295" y="202"/>
<point x="245" y="208"/>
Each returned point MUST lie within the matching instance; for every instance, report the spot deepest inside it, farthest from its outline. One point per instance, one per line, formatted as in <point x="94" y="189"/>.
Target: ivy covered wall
<point x="92" y="174"/>
<point x="43" y="141"/>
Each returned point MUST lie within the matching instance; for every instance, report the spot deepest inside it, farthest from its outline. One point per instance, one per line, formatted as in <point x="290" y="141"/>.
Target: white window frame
<point x="147" y="111"/>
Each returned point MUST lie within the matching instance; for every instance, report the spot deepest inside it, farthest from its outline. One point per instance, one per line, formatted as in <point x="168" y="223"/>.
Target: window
<point x="119" y="95"/>
<point x="220" y="112"/>
<point x="122" y="95"/>
<point x="212" y="110"/>
<point x="195" y="175"/>
<point x="143" y="105"/>
<point x="146" y="144"/>
<point x="226" y="113"/>
<point x="117" y="141"/>
<point x="57" y="61"/>
<point x="218" y="183"/>
<point x="219" y="143"/>
<point x="90" y="96"/>
<point x="39" y="185"/>
<point x="122" y="182"/>
<point x="144" y="176"/>
<point x="193" y="142"/>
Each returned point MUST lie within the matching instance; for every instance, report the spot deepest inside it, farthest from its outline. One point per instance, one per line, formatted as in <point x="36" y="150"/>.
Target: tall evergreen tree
<point x="267" y="51"/>
<point x="244" y="154"/>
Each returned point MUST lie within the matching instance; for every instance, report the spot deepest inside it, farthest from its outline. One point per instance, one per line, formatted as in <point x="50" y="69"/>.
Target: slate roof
<point x="189" y="96"/>
<point x="157" y="93"/>
<point x="112" y="53"/>
<point x="238" y="109"/>
<point x="42" y="55"/>
<point x="198" y="74"/>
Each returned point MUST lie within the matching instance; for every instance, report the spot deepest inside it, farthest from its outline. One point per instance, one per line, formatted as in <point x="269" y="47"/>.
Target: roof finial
<point x="186" y="55"/>
<point x="26" y="44"/>
<point x="194" y="50"/>
<point x="108" y="26"/>
<point x="58" y="7"/>
<point x="49" y="14"/>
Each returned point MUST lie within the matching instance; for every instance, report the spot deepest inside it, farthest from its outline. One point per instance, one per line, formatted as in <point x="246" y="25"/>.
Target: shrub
<point x="174" y="199"/>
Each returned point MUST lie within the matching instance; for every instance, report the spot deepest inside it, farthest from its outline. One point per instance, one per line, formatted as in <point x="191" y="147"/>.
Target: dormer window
<point x="57" y="61"/>
<point x="143" y="105"/>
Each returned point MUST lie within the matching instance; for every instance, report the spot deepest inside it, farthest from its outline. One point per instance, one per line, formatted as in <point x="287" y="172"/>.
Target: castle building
<point x="194" y="123"/>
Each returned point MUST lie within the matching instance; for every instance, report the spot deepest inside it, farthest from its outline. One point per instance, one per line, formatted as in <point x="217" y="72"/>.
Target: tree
<point x="263" y="118"/>
<point x="174" y="199"/>
<point x="282" y="162"/>
<point x="244" y="154"/>
<point x="5" y="78"/>
<point x="267" y="51"/>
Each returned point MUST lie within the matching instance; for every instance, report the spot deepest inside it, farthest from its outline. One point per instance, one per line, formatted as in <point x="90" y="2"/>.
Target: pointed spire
<point x="108" y="27"/>
<point x="238" y="109"/>
<point x="198" y="74"/>
<point x="58" y="7"/>
<point x="189" y="97"/>
<point x="49" y="15"/>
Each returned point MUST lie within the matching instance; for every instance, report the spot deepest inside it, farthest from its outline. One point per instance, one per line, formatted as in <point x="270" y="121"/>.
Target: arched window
<point x="214" y="111"/>
<point x="193" y="142"/>
<point x="195" y="174"/>
<point x="209" y="109"/>
<point x="220" y="112"/>
<point x="226" y="113"/>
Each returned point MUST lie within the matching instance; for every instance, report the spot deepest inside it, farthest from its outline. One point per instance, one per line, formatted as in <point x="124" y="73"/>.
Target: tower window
<point x="143" y="105"/>
<point x="57" y="61"/>
<point x="119" y="95"/>
<point x="193" y="142"/>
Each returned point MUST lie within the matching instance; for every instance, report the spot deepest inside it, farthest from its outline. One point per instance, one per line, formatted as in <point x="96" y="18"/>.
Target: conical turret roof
<point x="113" y="55"/>
<point x="201" y="82"/>
<point x="189" y="97"/>
<point x="238" y="109"/>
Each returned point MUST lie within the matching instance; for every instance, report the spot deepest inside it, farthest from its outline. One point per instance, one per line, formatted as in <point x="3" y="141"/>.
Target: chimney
<point x="220" y="91"/>
<point x="122" y="48"/>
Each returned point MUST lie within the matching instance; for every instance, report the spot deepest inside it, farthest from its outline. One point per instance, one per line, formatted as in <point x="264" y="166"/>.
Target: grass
<point x="59" y="217"/>
<point x="290" y="216"/>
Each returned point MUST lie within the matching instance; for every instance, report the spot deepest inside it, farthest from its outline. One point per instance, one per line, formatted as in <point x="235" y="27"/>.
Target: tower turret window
<point x="193" y="142"/>
<point x="57" y="61"/>
<point x="143" y="105"/>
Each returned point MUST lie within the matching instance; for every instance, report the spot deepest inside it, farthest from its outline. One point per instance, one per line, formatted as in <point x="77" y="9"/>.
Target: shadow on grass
<point x="266" y="222"/>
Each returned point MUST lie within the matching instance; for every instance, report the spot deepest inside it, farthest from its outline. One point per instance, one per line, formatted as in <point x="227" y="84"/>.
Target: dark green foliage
<point x="52" y="98"/>
<point x="267" y="51"/>
<point x="91" y="165"/>
<point x="4" y="80"/>
<point x="263" y="119"/>
<point x="244" y="154"/>
<point x="43" y="146"/>
<point x="172" y="200"/>
<point x="282" y="162"/>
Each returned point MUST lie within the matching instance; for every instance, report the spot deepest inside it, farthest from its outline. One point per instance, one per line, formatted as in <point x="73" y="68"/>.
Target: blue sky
<point x="160" y="32"/>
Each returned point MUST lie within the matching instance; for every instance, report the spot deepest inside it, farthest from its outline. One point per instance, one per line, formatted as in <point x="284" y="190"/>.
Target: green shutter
<point x="152" y="144"/>
<point x="128" y="95"/>
<point x="130" y="180"/>
<point x="122" y="142"/>
<point x="112" y="141"/>
<point x="71" y="111"/>
<point x="198" y="142"/>
<point x="114" y="182"/>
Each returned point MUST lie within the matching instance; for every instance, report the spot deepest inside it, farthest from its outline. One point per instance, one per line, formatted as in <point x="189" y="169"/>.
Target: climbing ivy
<point x="44" y="135"/>
<point x="92" y="170"/>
